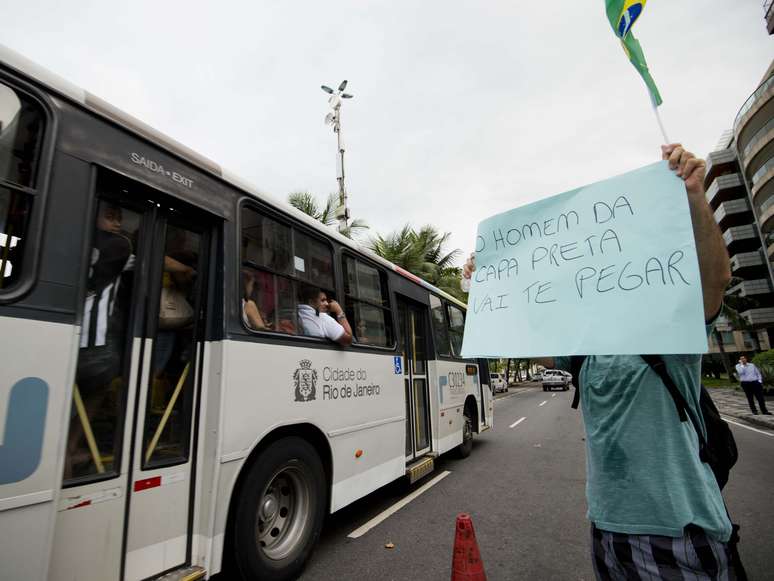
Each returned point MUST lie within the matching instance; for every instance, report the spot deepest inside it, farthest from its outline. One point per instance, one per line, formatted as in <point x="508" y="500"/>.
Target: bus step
<point x="419" y="468"/>
<point x="184" y="574"/>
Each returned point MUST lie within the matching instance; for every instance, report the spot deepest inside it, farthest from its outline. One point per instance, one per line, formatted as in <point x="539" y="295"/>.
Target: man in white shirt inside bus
<point x="319" y="317"/>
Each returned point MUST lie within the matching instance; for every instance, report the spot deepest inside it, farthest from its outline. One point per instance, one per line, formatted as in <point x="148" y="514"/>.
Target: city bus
<point x="164" y="409"/>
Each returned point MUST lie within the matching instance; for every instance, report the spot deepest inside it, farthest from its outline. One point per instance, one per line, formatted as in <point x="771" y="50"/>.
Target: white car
<point x="497" y="381"/>
<point x="556" y="378"/>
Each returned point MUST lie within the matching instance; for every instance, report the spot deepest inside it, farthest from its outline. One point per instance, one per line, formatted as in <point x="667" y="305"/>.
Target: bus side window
<point x="266" y="268"/>
<point x="456" y="329"/>
<point x="21" y="133"/>
<point x="367" y="303"/>
<point x="313" y="266"/>
<point x="440" y="330"/>
<point x="278" y="262"/>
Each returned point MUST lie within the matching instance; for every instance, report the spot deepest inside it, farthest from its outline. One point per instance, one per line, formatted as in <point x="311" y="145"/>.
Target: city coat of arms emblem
<point x="305" y="379"/>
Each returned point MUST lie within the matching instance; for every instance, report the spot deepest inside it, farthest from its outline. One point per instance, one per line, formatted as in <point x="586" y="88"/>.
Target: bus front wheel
<point x="280" y="511"/>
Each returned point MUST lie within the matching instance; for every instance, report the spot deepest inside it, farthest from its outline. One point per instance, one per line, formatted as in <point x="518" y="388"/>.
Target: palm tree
<point x="733" y="307"/>
<point x="422" y="253"/>
<point x="399" y="248"/>
<point x="723" y="355"/>
<point x="326" y="214"/>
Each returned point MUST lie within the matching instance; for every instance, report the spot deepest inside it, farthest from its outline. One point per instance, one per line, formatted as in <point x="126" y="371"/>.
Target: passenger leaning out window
<point x="320" y="317"/>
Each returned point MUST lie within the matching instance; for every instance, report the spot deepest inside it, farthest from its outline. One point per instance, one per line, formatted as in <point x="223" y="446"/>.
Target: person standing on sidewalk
<point x="752" y="383"/>
<point x="655" y="508"/>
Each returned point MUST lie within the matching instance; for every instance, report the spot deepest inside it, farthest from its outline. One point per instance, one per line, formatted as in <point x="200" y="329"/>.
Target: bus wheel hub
<point x="269" y="508"/>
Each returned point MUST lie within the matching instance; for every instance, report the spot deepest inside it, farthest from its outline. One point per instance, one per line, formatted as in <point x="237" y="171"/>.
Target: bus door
<point x="485" y="393"/>
<point x="126" y="506"/>
<point x="413" y="342"/>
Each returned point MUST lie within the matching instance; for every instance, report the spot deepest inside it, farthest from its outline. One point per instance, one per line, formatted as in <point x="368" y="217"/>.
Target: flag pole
<point x="660" y="124"/>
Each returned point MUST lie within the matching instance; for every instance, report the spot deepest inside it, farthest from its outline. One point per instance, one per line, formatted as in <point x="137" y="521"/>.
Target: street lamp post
<point x="334" y="119"/>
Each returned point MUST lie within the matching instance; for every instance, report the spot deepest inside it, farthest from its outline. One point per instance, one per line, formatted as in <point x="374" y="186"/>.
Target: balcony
<point x="723" y="324"/>
<point x="734" y="213"/>
<point x="759" y="149"/>
<point x="745" y="264"/>
<point x="763" y="182"/>
<point x="755" y="113"/>
<point x="724" y="188"/>
<point x="767" y="218"/>
<point x="741" y="239"/>
<point x="749" y="288"/>
<point x="720" y="162"/>
<point x="759" y="317"/>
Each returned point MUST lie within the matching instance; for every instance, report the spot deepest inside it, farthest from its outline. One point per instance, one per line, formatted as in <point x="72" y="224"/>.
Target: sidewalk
<point x="733" y="403"/>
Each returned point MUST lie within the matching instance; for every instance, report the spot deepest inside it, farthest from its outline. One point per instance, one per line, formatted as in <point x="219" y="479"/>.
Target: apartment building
<point x="740" y="190"/>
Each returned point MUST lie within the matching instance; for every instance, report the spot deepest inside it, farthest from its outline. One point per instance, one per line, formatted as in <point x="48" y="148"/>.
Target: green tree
<point x="422" y="252"/>
<point x="723" y="355"/>
<point x="733" y="306"/>
<point x="326" y="214"/>
<point x="765" y="363"/>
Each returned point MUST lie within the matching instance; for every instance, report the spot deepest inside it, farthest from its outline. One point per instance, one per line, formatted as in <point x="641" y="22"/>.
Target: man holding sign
<point x="656" y="509"/>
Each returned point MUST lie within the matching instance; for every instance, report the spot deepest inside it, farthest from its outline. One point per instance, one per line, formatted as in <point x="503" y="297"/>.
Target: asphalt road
<point x="524" y="488"/>
<point x="749" y="496"/>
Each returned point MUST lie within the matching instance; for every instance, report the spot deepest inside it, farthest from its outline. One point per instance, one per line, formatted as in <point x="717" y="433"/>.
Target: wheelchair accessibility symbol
<point x="398" y="364"/>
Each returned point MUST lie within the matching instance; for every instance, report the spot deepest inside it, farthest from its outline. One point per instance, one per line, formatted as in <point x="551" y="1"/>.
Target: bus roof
<point x="68" y="90"/>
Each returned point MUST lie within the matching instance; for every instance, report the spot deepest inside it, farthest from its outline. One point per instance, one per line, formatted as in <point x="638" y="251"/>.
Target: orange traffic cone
<point x="466" y="560"/>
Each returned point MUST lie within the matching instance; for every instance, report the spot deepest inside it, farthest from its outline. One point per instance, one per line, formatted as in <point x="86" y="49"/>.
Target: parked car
<point x="556" y="378"/>
<point x="497" y="381"/>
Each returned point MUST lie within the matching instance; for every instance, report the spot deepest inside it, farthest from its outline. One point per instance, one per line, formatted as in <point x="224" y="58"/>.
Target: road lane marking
<point x="553" y="395"/>
<point x="544" y="403"/>
<point x="730" y="421"/>
<point x="384" y="515"/>
<point x="517" y="422"/>
<point x="511" y="394"/>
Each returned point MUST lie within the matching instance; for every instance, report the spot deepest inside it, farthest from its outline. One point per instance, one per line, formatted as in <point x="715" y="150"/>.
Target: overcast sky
<point x="462" y="109"/>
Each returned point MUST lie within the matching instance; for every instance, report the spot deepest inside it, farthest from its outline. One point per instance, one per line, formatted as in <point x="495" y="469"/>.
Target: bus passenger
<point x="251" y="315"/>
<point x="101" y="347"/>
<point x="320" y="317"/>
<point x="361" y="335"/>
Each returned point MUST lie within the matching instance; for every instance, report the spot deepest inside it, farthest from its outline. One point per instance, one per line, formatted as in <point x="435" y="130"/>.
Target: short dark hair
<point x="307" y="293"/>
<point x="107" y="206"/>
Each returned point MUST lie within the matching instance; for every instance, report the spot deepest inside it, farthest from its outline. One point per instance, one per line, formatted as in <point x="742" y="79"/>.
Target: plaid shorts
<point x="694" y="556"/>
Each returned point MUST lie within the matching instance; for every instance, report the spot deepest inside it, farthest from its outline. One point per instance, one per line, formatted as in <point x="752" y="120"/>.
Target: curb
<point x="750" y="419"/>
<point x="744" y="416"/>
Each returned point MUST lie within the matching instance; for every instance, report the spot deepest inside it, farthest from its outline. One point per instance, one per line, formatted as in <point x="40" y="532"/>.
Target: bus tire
<point x="464" y="449"/>
<point x="280" y="511"/>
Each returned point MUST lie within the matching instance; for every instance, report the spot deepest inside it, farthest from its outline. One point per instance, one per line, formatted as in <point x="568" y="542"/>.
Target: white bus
<point x="162" y="411"/>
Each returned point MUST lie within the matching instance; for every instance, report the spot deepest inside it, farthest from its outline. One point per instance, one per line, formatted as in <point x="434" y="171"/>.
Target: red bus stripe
<point x="147" y="483"/>
<point x="80" y="504"/>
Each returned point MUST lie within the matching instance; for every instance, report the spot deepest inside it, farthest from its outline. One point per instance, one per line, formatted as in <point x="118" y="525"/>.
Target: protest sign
<point x="608" y="268"/>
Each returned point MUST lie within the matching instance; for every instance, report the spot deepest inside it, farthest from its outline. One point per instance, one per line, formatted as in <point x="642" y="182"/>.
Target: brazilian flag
<point x="622" y="15"/>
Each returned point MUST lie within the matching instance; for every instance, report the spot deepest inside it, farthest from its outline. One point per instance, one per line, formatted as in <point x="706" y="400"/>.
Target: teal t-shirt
<point x="643" y="470"/>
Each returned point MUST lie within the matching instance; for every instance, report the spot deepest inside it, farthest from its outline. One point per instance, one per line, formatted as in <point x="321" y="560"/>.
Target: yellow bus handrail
<point x="167" y="412"/>
<point x="90" y="440"/>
